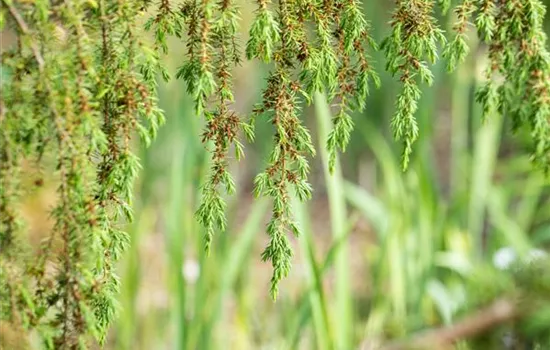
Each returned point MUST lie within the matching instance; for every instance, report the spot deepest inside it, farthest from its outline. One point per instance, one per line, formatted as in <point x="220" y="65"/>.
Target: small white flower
<point x="504" y="257"/>
<point x="191" y="270"/>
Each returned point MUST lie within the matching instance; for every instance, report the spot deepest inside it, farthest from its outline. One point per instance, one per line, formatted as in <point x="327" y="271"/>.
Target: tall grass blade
<point x="343" y="320"/>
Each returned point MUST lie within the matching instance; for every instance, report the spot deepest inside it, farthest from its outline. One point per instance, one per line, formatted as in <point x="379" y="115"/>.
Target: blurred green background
<point x="383" y="254"/>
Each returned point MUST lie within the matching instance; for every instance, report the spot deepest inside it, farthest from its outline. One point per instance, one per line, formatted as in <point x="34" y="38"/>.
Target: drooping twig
<point x="501" y="311"/>
<point x="24" y="28"/>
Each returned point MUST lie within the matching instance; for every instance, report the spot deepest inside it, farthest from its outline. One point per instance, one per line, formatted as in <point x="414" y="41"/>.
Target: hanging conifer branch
<point x="166" y="22"/>
<point x="517" y="78"/>
<point x="457" y="49"/>
<point x="287" y="163"/>
<point x="212" y="30"/>
<point x="222" y="123"/>
<point x="409" y="48"/>
<point x="77" y="97"/>
<point x="353" y="75"/>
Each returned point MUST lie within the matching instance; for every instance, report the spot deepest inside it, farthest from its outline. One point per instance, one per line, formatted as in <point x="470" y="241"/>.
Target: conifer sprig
<point x="411" y="45"/>
<point x="264" y="34"/>
<point x="167" y="22"/>
<point x="457" y="49"/>
<point x="222" y="123"/>
<point x="517" y="77"/>
<point x="287" y="167"/>
<point x="352" y="41"/>
<point x="212" y="28"/>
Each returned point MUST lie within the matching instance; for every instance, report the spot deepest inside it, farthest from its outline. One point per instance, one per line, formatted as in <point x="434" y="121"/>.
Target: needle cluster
<point x="517" y="77"/>
<point x="75" y="90"/>
<point x="411" y="46"/>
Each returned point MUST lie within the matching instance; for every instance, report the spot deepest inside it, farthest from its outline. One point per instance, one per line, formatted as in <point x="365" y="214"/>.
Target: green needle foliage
<point x="517" y="77"/>
<point x="76" y="87"/>
<point x="80" y="82"/>
<point x="314" y="46"/>
<point x="212" y="52"/>
<point x="340" y="33"/>
<point x="411" y="45"/>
